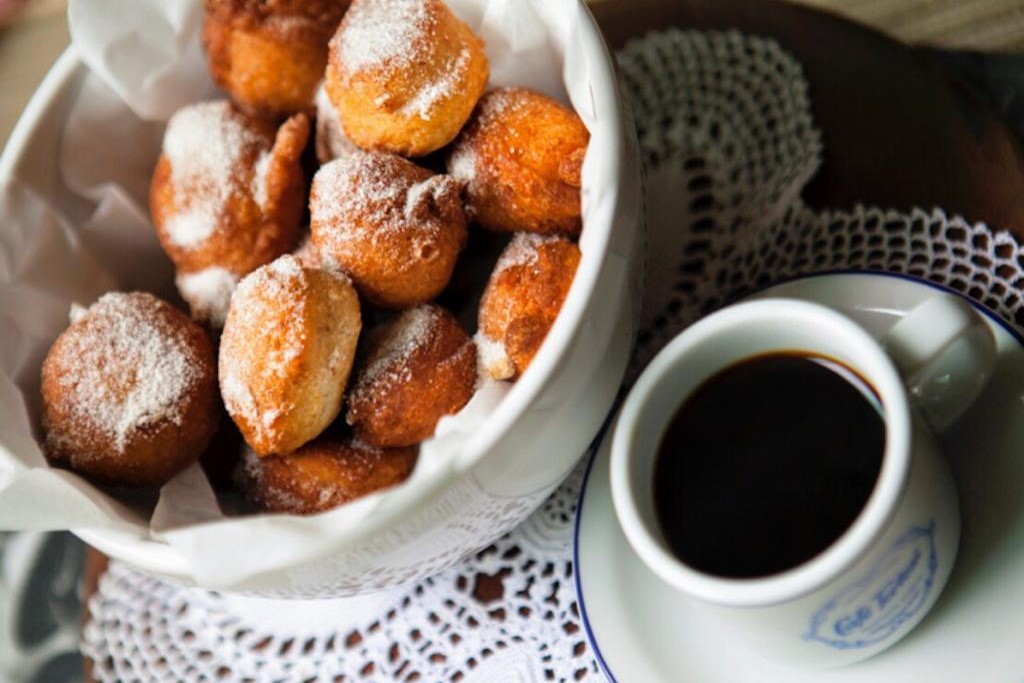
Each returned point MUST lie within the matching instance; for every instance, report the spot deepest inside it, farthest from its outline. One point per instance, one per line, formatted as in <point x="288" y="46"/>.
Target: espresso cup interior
<point x="713" y="344"/>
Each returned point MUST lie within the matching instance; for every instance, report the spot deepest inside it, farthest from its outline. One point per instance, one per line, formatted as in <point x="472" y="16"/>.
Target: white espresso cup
<point x="879" y="578"/>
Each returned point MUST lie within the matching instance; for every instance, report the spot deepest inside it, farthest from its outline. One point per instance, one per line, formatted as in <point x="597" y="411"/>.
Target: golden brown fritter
<point x="394" y="227"/>
<point x="404" y="75"/>
<point x="286" y="353"/>
<point x="420" y="367"/>
<point x="323" y="474"/>
<point x="270" y="55"/>
<point x="129" y="391"/>
<point x="227" y="196"/>
<point x="522" y="300"/>
<point x="520" y="158"/>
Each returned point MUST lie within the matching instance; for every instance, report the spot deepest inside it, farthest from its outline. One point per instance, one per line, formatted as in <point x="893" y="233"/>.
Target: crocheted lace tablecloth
<point x="728" y="141"/>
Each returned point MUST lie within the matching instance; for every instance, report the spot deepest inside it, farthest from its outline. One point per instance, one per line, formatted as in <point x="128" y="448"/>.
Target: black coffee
<point x="766" y="464"/>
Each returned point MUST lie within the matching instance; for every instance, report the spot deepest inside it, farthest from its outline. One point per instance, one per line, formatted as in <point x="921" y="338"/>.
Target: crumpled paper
<point x="74" y="223"/>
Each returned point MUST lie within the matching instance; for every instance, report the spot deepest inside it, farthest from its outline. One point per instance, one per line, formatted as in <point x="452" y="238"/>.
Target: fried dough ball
<point x="270" y="55"/>
<point x="395" y="228"/>
<point x="286" y="353"/>
<point x="522" y="300"/>
<point x="323" y="474"/>
<point x="129" y="391"/>
<point x="227" y="197"/>
<point x="421" y="366"/>
<point x="404" y="75"/>
<point x="520" y="158"/>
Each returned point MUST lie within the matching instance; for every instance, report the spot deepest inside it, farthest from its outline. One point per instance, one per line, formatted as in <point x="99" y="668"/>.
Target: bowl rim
<point x="159" y="557"/>
<point x="64" y="68"/>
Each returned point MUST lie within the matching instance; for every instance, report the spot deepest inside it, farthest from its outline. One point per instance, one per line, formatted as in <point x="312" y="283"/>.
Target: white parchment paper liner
<point x="89" y="232"/>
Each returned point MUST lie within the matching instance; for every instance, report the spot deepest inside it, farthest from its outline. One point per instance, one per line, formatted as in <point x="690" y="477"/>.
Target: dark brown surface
<point x="898" y="131"/>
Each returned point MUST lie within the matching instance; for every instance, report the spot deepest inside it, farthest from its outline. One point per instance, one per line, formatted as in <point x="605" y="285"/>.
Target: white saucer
<point x="642" y="631"/>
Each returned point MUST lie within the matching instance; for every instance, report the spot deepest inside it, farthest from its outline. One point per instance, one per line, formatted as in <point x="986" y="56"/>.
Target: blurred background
<point x="34" y="32"/>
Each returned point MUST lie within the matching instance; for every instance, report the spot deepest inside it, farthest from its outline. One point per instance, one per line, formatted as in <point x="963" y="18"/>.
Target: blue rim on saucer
<point x="591" y="458"/>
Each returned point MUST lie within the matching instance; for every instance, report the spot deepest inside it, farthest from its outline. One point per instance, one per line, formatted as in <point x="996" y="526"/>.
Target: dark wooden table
<point x="898" y="129"/>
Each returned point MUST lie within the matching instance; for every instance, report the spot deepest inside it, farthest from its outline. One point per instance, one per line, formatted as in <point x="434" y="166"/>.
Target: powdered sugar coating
<point x="125" y="367"/>
<point x="331" y="140"/>
<point x="376" y="191"/>
<point x="493" y="109"/>
<point x="448" y="79"/>
<point x="382" y="32"/>
<point x="208" y="293"/>
<point x="524" y="296"/>
<point x="407" y="333"/>
<point x="498" y="104"/>
<point x="77" y="312"/>
<point x="520" y="158"/>
<point x="422" y="366"/>
<point x="522" y="250"/>
<point x="205" y="145"/>
<point x="238" y="399"/>
<point x="361" y="185"/>
<point x="393" y="226"/>
<point x="422" y="196"/>
<point x="283" y="283"/>
<point x="462" y="164"/>
<point x="286" y="353"/>
<point x="259" y="180"/>
<point x="306" y="253"/>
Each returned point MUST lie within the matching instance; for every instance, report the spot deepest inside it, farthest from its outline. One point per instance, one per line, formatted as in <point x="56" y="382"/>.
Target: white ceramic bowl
<point x="527" y="445"/>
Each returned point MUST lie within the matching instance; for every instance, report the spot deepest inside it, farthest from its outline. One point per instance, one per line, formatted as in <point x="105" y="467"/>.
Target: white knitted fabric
<point x="728" y="140"/>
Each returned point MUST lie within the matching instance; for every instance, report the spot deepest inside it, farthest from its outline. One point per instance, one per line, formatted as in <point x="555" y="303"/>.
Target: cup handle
<point x="946" y="353"/>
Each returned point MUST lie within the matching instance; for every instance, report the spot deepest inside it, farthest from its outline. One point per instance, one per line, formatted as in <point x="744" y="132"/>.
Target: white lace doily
<point x="725" y="128"/>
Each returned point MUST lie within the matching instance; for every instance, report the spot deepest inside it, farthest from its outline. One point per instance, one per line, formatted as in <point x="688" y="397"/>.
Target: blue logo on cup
<point x="888" y="596"/>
